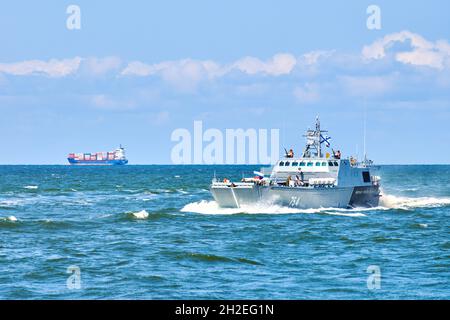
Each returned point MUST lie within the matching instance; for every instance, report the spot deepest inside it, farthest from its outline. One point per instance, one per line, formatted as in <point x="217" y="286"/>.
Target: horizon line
<point x="200" y="164"/>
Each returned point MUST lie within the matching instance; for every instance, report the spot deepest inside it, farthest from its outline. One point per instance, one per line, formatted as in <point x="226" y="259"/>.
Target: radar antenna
<point x="314" y="140"/>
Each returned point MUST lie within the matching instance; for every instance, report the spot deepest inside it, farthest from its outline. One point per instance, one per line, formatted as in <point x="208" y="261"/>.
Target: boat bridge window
<point x="330" y="163"/>
<point x="286" y="164"/>
<point x="309" y="164"/>
<point x="295" y="164"/>
<point x="317" y="164"/>
<point x="366" y="176"/>
<point x="302" y="164"/>
<point x="336" y="164"/>
<point x="324" y="164"/>
<point x="281" y="163"/>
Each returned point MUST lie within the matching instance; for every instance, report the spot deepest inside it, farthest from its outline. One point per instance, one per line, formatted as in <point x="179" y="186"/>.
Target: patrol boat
<point x="310" y="181"/>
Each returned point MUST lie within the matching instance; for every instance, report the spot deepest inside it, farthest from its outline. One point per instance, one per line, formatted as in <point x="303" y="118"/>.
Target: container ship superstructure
<point x="116" y="157"/>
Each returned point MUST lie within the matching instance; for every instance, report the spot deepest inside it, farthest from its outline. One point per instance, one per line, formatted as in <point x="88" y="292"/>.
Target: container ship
<point x="116" y="157"/>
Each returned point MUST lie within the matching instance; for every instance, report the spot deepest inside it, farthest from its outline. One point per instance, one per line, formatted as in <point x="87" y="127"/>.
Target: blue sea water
<point x="154" y="232"/>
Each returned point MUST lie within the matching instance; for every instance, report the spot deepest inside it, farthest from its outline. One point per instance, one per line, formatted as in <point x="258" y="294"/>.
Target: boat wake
<point x="211" y="207"/>
<point x="406" y="203"/>
<point x="388" y="202"/>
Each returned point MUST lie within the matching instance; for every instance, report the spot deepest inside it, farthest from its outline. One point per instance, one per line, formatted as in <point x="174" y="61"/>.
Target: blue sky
<point x="137" y="70"/>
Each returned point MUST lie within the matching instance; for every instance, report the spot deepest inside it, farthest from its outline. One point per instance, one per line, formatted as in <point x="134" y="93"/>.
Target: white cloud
<point x="314" y="57"/>
<point x="181" y="71"/>
<point x="351" y="72"/>
<point x="184" y="74"/>
<point x="188" y="67"/>
<point x="61" y="68"/>
<point x="279" y="64"/>
<point x="53" y="68"/>
<point x="100" y="66"/>
<point x="137" y="68"/>
<point x="423" y="52"/>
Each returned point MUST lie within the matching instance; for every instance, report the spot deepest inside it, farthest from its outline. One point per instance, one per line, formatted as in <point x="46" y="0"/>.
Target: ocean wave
<point x="206" y="257"/>
<point x="31" y="187"/>
<point x="211" y="207"/>
<point x="10" y="203"/>
<point x="131" y="191"/>
<point x="9" y="220"/>
<point x="52" y="224"/>
<point x="140" y="215"/>
<point x="166" y="213"/>
<point x="405" y="203"/>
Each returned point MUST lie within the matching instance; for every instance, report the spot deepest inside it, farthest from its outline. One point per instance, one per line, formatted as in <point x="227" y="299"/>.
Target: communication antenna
<point x="365" y="115"/>
<point x="366" y="162"/>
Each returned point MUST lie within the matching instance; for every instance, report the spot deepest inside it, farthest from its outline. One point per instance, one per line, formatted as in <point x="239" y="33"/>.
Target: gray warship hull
<point x="237" y="195"/>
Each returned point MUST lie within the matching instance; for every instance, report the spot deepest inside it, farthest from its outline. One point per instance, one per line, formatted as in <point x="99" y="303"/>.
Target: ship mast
<point x="319" y="149"/>
<point x="314" y="141"/>
<point x="365" y="154"/>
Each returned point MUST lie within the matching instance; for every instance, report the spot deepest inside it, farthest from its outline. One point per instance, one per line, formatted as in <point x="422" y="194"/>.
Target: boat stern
<point x="366" y="196"/>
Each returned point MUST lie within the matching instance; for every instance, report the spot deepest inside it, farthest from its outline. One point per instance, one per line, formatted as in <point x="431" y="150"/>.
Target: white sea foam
<point x="395" y="202"/>
<point x="211" y="207"/>
<point x="31" y="187"/>
<point x="346" y="214"/>
<point x="10" y="218"/>
<point x="387" y="202"/>
<point x="140" y="215"/>
<point x="10" y="203"/>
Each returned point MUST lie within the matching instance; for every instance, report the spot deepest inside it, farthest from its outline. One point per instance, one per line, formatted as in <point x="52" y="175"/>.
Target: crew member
<point x="302" y="175"/>
<point x="290" y="153"/>
<point x="288" y="181"/>
<point x="298" y="182"/>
